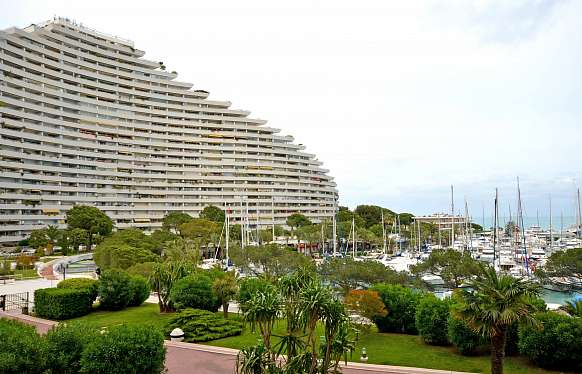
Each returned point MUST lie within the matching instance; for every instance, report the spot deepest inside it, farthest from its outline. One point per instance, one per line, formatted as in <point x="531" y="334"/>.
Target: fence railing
<point x="16" y="301"/>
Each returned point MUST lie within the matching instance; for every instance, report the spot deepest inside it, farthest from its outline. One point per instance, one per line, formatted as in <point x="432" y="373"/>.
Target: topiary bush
<point x="65" y="345"/>
<point x="21" y="349"/>
<point x="125" y="349"/>
<point x="140" y="290"/>
<point x="401" y="303"/>
<point x="462" y="337"/>
<point x="431" y="318"/>
<point x="558" y="345"/>
<point x="194" y="291"/>
<point x="114" y="289"/>
<point x="202" y="325"/>
<point x="81" y="284"/>
<point x="62" y="303"/>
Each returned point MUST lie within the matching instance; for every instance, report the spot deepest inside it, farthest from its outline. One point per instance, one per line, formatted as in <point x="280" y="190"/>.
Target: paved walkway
<point x="186" y="358"/>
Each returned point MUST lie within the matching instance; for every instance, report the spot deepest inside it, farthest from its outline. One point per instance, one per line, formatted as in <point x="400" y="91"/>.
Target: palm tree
<point x="573" y="308"/>
<point x="492" y="303"/>
<point x="262" y="310"/>
<point x="163" y="277"/>
<point x="225" y="288"/>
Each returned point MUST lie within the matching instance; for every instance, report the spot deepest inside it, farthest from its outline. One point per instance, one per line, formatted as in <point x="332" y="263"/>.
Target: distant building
<point x="442" y="221"/>
<point x="85" y="119"/>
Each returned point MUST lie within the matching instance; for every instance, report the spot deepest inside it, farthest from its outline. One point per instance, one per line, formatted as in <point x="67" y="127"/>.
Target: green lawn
<point x="389" y="349"/>
<point x="145" y="314"/>
<point x="26" y="273"/>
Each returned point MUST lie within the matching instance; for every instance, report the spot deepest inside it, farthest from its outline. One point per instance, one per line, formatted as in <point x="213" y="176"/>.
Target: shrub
<point x="114" y="289"/>
<point x="21" y="349"/>
<point x="140" y="290"/>
<point x="432" y="320"/>
<point x="558" y="345"/>
<point x="249" y="287"/>
<point x="202" y="325"/>
<point x="194" y="291"/>
<point x="62" y="303"/>
<point x="90" y="285"/>
<point x="462" y="337"/>
<point x="125" y="349"/>
<point x="65" y="344"/>
<point x="401" y="303"/>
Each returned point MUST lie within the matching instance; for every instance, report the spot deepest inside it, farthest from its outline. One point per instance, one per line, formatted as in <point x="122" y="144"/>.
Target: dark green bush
<point x="65" y="344"/>
<point x="202" y="325"/>
<point x="558" y="345"/>
<point x="114" y="289"/>
<point x="125" y="349"/>
<point x="140" y="290"/>
<point x="81" y="283"/>
<point x="194" y="291"/>
<point x="62" y="303"/>
<point x="249" y="287"/>
<point x="511" y="340"/>
<point x="463" y="338"/>
<point x="432" y="320"/>
<point x="21" y="349"/>
<point x="401" y="303"/>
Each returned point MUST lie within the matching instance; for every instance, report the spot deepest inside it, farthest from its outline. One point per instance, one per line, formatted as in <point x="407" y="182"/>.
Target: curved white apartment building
<point x="84" y="119"/>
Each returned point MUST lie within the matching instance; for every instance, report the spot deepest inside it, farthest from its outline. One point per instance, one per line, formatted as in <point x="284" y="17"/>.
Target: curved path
<point x="185" y="358"/>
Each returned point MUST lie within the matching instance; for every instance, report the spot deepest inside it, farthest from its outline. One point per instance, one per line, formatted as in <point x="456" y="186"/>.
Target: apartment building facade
<point x="85" y="119"/>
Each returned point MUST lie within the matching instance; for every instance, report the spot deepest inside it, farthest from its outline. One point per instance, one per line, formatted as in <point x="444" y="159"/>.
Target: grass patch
<point x="26" y="273"/>
<point x="145" y="314"/>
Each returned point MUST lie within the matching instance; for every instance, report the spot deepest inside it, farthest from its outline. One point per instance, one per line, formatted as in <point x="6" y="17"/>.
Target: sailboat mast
<point x="399" y="235"/>
<point x="354" y="236"/>
<point x="578" y="217"/>
<point x="521" y="224"/>
<point x="227" y="223"/>
<point x="334" y="229"/>
<point x="551" y="234"/>
<point x="495" y="218"/>
<point x="452" y="218"/>
<point x="383" y="233"/>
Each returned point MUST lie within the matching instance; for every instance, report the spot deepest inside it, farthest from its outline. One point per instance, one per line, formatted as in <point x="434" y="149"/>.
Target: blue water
<point x="543" y="222"/>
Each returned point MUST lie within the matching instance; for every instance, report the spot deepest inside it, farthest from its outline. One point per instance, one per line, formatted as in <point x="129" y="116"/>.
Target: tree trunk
<point x="498" y="352"/>
<point x="225" y="309"/>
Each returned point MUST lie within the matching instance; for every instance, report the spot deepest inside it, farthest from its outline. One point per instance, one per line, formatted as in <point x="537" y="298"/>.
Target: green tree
<point x="372" y="214"/>
<point x="163" y="277"/>
<point x="181" y="249"/>
<point x="173" y="221"/>
<point x="124" y="249"/>
<point x="453" y="266"/>
<point x="566" y="263"/>
<point x="90" y="219"/>
<point x="271" y="261"/>
<point x="347" y="274"/>
<point x="492" y="303"/>
<point x="406" y="218"/>
<point x="212" y="213"/>
<point x="297" y="220"/>
<point x="226" y="289"/>
<point x="201" y="232"/>
<point x="77" y="237"/>
<point x="346" y="215"/>
<point x="38" y="239"/>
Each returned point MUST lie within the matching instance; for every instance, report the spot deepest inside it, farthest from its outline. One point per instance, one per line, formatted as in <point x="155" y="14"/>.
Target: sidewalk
<point x="185" y="358"/>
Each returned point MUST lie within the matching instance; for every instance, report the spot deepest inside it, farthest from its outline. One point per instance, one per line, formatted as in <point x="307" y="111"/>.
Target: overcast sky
<point x="399" y="99"/>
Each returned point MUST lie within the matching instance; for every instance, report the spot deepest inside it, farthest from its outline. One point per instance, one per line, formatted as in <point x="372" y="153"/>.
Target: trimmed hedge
<point x="125" y="349"/>
<point x="140" y="290"/>
<point x="21" y="349"/>
<point x="202" y="325"/>
<point x="81" y="283"/>
<point x="463" y="338"/>
<point x="194" y="291"/>
<point x="114" y="289"/>
<point x="432" y="320"/>
<point x="558" y="345"/>
<point x="401" y="303"/>
<point x="62" y="303"/>
<point x="65" y="345"/>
